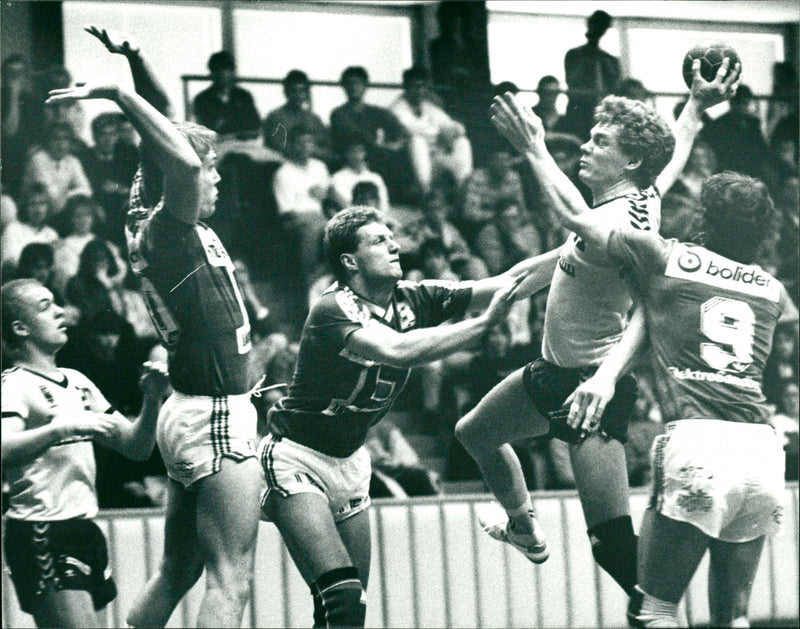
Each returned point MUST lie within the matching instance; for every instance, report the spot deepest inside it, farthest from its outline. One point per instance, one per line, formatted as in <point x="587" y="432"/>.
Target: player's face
<point x="377" y="255"/>
<point x="603" y="162"/>
<point x="43" y="319"/>
<point x="209" y="178"/>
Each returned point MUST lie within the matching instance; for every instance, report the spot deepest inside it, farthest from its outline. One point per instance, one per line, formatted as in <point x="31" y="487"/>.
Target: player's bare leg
<point x="181" y="565"/>
<point x="66" y="608"/>
<point x="601" y="477"/>
<point x="730" y="580"/>
<point x="228" y="513"/>
<point x="318" y="550"/>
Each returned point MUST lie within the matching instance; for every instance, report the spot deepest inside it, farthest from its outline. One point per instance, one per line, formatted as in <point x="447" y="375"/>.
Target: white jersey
<point x="589" y="300"/>
<point x="59" y="484"/>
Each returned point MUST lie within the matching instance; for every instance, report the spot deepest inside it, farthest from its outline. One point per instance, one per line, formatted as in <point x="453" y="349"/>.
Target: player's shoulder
<point x="340" y="300"/>
<point x="12" y="375"/>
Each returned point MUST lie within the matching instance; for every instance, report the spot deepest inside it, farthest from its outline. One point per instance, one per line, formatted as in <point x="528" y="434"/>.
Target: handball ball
<point x="711" y="57"/>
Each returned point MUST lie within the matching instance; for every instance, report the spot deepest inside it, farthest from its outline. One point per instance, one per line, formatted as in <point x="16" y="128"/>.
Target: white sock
<point x="657" y="613"/>
<point x="740" y="622"/>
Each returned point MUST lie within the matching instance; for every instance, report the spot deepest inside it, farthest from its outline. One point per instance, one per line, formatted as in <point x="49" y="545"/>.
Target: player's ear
<point x="348" y="261"/>
<point x="20" y="328"/>
<point x="633" y="163"/>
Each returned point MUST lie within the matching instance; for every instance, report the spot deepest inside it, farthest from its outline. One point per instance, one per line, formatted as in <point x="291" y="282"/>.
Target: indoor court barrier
<point x="433" y="567"/>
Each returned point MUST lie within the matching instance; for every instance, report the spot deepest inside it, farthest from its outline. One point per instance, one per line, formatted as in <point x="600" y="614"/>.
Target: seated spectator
<point x="97" y="285"/>
<point x="110" y="165"/>
<point x="378" y="129"/>
<point x="257" y="312"/>
<point x="225" y="107"/>
<point x="787" y="201"/>
<point x="787" y="424"/>
<point x="633" y="89"/>
<point x="782" y="364"/>
<point x="548" y="91"/>
<point x="301" y="186"/>
<point x="56" y="168"/>
<point x="354" y="171"/>
<point x="396" y="468"/>
<point x="434" y="263"/>
<point x="70" y="113"/>
<point x="279" y="123"/>
<point x="509" y="239"/>
<point x="31" y="226"/>
<point x="8" y="210"/>
<point x="437" y="141"/>
<point x="80" y="215"/>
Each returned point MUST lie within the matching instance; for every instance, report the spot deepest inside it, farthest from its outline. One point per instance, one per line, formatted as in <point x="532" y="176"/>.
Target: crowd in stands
<point x="458" y="214"/>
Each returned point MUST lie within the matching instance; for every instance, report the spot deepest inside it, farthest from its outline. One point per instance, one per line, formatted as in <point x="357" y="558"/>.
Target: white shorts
<point x="195" y="432"/>
<point x="291" y="468"/>
<point x="725" y="478"/>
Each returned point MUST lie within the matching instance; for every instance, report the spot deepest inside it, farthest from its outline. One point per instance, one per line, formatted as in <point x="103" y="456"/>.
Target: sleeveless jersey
<point x="588" y="302"/>
<point x="710" y="322"/>
<point x="191" y="293"/>
<point x="59" y="484"/>
<point x="336" y="395"/>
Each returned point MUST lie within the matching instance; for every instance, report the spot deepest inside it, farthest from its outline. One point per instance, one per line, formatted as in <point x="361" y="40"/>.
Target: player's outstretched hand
<point x="155" y="379"/>
<point x="86" y="426"/>
<point x="518" y="124"/>
<point x="587" y="403"/>
<point x="115" y="42"/>
<point x="83" y="92"/>
<point x="502" y="301"/>
<point x="709" y="93"/>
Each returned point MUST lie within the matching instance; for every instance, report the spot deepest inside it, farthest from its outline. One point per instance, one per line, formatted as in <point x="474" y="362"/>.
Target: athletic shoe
<point x="494" y="521"/>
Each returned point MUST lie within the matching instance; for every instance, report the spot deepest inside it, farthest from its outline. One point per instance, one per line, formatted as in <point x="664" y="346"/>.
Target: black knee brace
<point x="338" y="599"/>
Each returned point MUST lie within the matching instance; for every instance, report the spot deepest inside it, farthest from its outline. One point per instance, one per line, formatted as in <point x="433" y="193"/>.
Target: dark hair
<point x="75" y="202"/>
<point x="432" y="247"/>
<point x="341" y="235"/>
<point x="12" y="296"/>
<point x="643" y="134"/>
<point x="738" y="215"/>
<point x="547" y="78"/>
<point x="30" y="256"/>
<point x="362" y="189"/>
<point x="222" y="60"/>
<point x="416" y="72"/>
<point x="33" y="189"/>
<point x="95" y="252"/>
<point x="355" y="72"/>
<point x="55" y="127"/>
<point x="505" y="86"/>
<point x="294" y="77"/>
<point x="600" y="20"/>
<point x="106" y="119"/>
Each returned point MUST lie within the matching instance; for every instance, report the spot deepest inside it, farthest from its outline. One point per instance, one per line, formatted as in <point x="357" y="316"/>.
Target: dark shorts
<point x="549" y="385"/>
<point x="61" y="555"/>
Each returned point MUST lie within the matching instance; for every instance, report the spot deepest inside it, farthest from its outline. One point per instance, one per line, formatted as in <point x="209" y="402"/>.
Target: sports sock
<point x="521" y="516"/>
<point x="614" y="548"/>
<point x="652" y="611"/>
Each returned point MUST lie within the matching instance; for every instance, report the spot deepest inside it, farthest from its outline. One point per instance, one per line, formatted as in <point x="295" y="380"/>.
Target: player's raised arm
<point x="704" y="94"/>
<point x="169" y="149"/>
<point x="415" y="347"/>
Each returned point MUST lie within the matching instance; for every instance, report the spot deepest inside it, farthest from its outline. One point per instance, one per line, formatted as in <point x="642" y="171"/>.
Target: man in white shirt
<point x="437" y="141"/>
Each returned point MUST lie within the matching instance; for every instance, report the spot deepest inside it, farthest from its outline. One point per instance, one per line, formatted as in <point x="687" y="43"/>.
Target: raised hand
<point x="709" y="93"/>
<point x="518" y="124"/>
<point x="115" y="42"/>
<point x="155" y="379"/>
<point x="503" y="299"/>
<point x="83" y="92"/>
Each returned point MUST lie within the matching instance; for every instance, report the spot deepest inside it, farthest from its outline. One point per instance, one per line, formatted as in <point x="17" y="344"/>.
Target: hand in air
<point x="588" y="402"/>
<point x="503" y="300"/>
<point x="155" y="379"/>
<point x="114" y="41"/>
<point x="518" y="124"/>
<point x="82" y="91"/>
<point x="709" y="93"/>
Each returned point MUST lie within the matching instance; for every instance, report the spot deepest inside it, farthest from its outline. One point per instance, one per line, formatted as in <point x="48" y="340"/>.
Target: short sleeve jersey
<point x="335" y="394"/>
<point x="59" y="484"/>
<point x="710" y="322"/>
<point x="190" y="289"/>
<point x="588" y="302"/>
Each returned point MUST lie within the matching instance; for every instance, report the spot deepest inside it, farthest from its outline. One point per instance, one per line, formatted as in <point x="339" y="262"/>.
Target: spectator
<point x="97" y="285"/>
<point x="36" y="262"/>
<point x="787" y="425"/>
<point x="224" y="107"/>
<point x="737" y="140"/>
<point x="8" y="210"/>
<point x="80" y="215"/>
<point x="20" y="121"/>
<point x="257" y="312"/>
<point x="279" y="123"/>
<point x="110" y="165"/>
<point x="354" y="171"/>
<point x="377" y="128"/>
<point x="437" y="141"/>
<point x="591" y="74"/>
<point x="633" y="89"/>
<point x="31" y="227"/>
<point x="301" y="186"/>
<point x="548" y="91"/>
<point x="781" y="366"/>
<point x="54" y="78"/>
<point x="787" y="200"/>
<point x="396" y="468"/>
<point x="56" y="168"/>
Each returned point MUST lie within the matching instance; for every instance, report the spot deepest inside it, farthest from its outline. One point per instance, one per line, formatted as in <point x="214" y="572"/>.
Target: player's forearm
<point x="170" y="150"/>
<point x="546" y="170"/>
<point x="147" y="84"/>
<point x="539" y="270"/>
<point x="138" y="438"/>
<point x="625" y="353"/>
<point x="686" y="129"/>
<point x="426" y="345"/>
<point x="19" y="448"/>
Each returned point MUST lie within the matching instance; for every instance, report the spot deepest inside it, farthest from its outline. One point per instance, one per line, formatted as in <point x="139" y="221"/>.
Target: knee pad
<point x="339" y="599"/>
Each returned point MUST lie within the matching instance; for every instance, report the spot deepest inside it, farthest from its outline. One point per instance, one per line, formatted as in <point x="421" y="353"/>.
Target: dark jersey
<point x="189" y="286"/>
<point x="336" y="395"/>
<point x="710" y="322"/>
